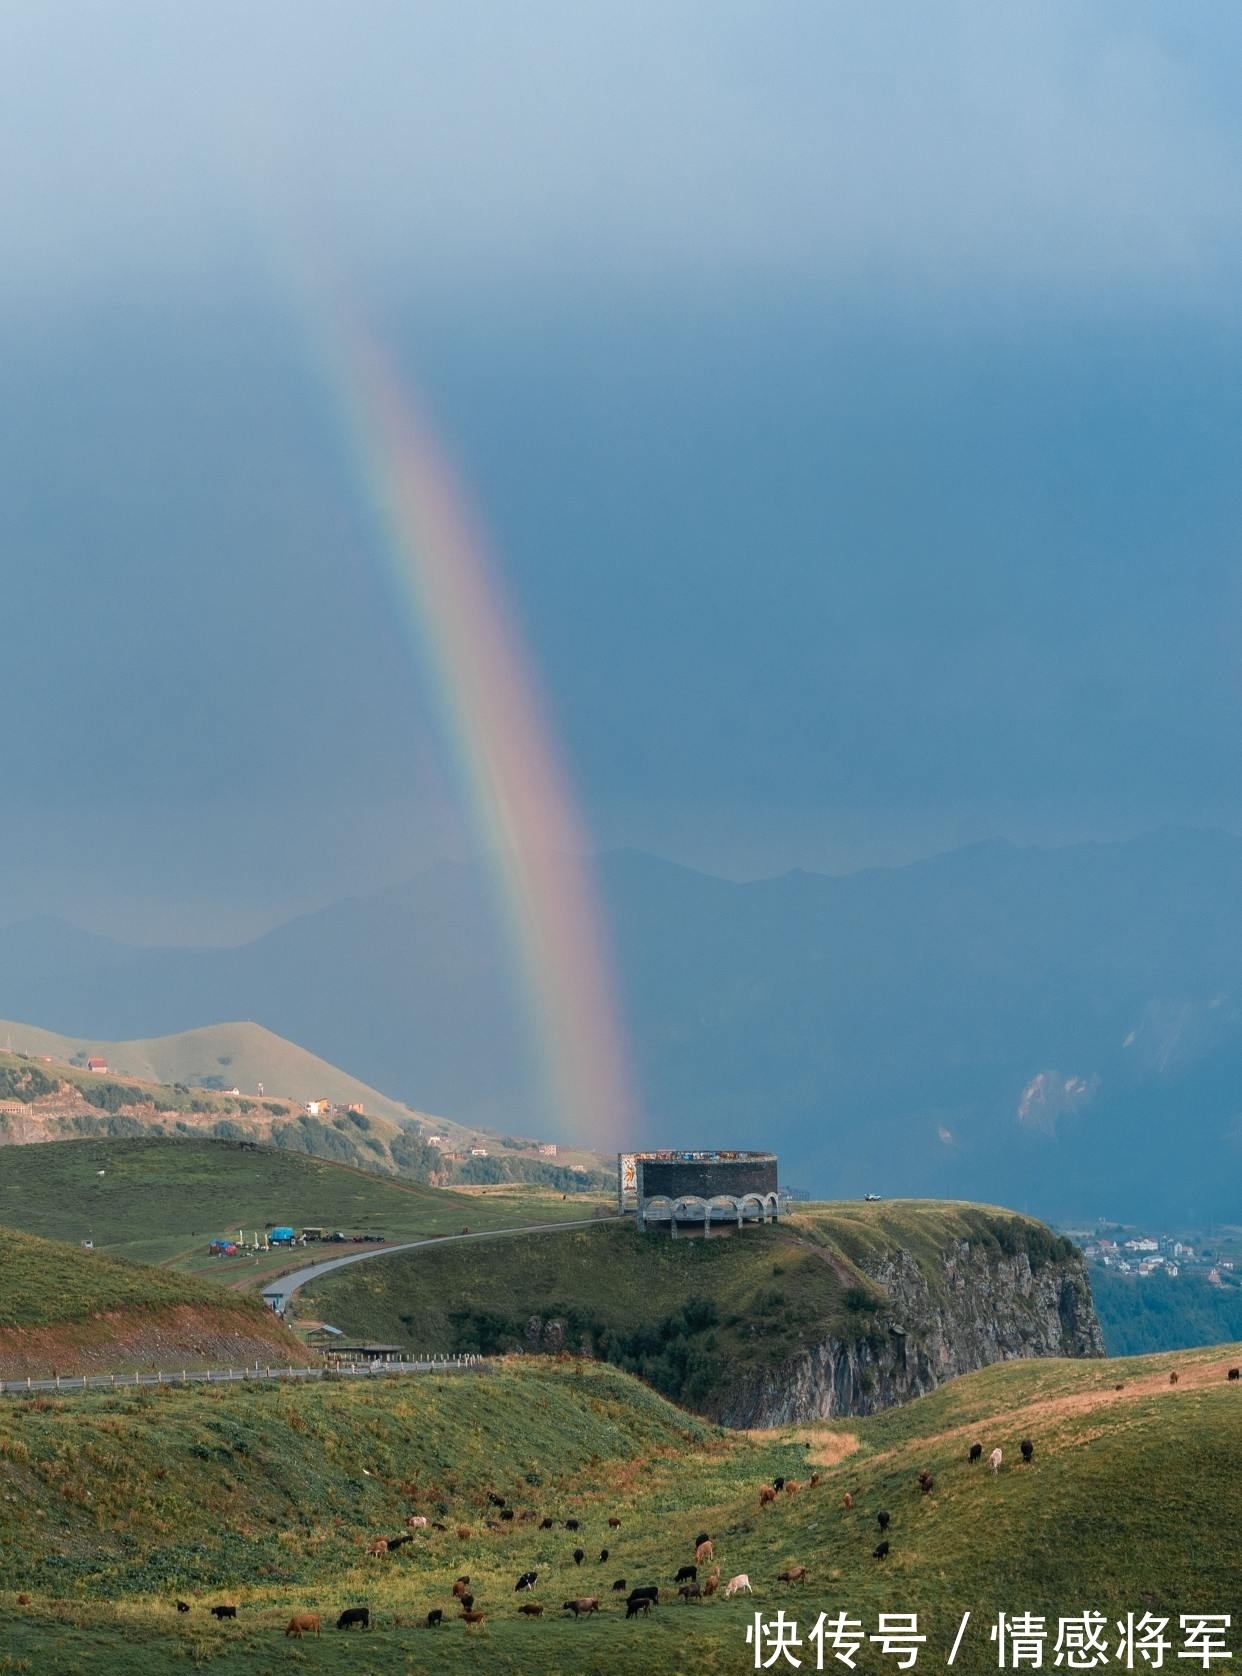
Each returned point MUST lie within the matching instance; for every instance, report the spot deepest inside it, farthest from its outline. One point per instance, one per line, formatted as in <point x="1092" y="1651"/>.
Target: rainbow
<point x="495" y="722"/>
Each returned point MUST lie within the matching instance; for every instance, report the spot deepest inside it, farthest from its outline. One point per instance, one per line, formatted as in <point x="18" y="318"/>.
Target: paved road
<point x="227" y="1376"/>
<point x="287" y="1284"/>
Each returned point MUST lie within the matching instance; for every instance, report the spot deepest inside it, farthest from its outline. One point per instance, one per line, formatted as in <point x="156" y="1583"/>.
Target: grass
<point x="114" y="1506"/>
<point x="692" y="1316"/>
<point x="161" y="1200"/>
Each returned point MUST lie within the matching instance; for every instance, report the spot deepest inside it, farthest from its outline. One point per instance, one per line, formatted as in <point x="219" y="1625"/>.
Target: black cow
<point x="638" y="1603"/>
<point x="396" y="1541"/>
<point x="976" y="1453"/>
<point x="506" y="1513"/>
<point x="701" y="1538"/>
<point x="619" y="1585"/>
<point x="545" y="1524"/>
<point x="496" y="1501"/>
<point x="648" y="1591"/>
<point x="880" y="1551"/>
<point x="1235" y="1373"/>
<point x="525" y="1581"/>
<point x="354" y="1617"/>
<point x="882" y="1518"/>
<point x="467" y="1602"/>
<point x="603" y="1555"/>
<point x="1028" y="1449"/>
<point x="778" y="1484"/>
<point x="571" y="1524"/>
<point x="579" y="1556"/>
<point x="434" y="1617"/>
<point x="687" y="1574"/>
<point x="183" y="1606"/>
<point x="223" y="1612"/>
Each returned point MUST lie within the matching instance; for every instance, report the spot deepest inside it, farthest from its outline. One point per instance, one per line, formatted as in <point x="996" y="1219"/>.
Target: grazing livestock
<point x="637" y="1604"/>
<point x="379" y="1546"/>
<point x="1173" y="1377"/>
<point x="396" y="1541"/>
<point x="712" y="1583"/>
<point x="926" y="1483"/>
<point x="581" y="1607"/>
<point x="648" y="1591"/>
<point x="880" y="1551"/>
<point x="703" y="1536"/>
<point x="496" y="1501"/>
<point x="460" y="1586"/>
<point x="463" y="1533"/>
<point x="847" y="1501"/>
<point x="778" y="1484"/>
<point x="1119" y="1387"/>
<point x="687" y="1574"/>
<point x="468" y="1617"/>
<point x="614" y="1523"/>
<point x="603" y="1555"/>
<point x="531" y="1608"/>
<point x="437" y="1526"/>
<point x="812" y="1481"/>
<point x="1028" y="1449"/>
<point x="183" y="1606"/>
<point x="792" y="1486"/>
<point x="24" y="1600"/>
<point x="545" y="1524"/>
<point x="571" y="1524"/>
<point x="995" y="1459"/>
<point x="222" y="1612"/>
<point x="1235" y="1373"/>
<point x="689" y="1592"/>
<point x="526" y="1581"/>
<point x="579" y="1556"/>
<point x="976" y="1453"/>
<point x="792" y="1574"/>
<point x="506" y="1513"/>
<point x="355" y="1617"/>
<point x="735" y="1585"/>
<point x="416" y="1522"/>
<point x="766" y="1495"/>
<point x="301" y="1622"/>
<point x="619" y="1585"/>
<point x="467" y="1602"/>
<point x="882" y="1518"/>
<point x="435" y="1618"/>
<point x="704" y="1552"/>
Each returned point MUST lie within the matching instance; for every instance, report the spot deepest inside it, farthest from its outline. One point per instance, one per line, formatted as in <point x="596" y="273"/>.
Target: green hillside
<point x="162" y="1199"/>
<point x="266" y="1498"/>
<point x="688" y="1315"/>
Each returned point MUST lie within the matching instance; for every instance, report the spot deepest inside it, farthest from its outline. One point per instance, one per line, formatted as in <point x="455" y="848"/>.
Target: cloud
<point x="1049" y="1097"/>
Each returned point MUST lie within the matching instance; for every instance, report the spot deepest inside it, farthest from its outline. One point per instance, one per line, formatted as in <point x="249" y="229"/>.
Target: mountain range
<point x="1055" y="1029"/>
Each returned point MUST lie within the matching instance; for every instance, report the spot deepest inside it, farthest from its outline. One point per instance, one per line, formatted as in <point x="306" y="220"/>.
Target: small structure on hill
<point x="715" y="1191"/>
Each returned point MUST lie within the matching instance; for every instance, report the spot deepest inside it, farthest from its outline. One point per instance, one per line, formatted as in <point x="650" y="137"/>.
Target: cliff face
<point x="983" y="1307"/>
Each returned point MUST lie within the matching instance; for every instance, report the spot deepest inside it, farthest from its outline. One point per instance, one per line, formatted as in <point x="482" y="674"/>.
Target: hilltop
<point x="66" y="1310"/>
<point x="161" y="1199"/>
<point x="838" y="1309"/>
<point x="267" y="1497"/>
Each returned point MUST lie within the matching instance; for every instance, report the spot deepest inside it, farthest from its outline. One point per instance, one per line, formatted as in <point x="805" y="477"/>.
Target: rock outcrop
<point x="983" y="1307"/>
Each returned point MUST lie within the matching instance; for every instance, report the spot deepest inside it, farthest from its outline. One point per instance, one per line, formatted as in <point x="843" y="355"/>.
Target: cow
<point x="579" y="1556"/>
<point x="882" y="1518"/>
<point x="847" y="1501"/>
<point x="355" y="1617"/>
<point x="437" y="1526"/>
<point x="572" y="1525"/>
<point x="301" y="1622"/>
<point x="416" y="1522"/>
<point x="1173" y="1377"/>
<point x="976" y="1454"/>
<point x="531" y="1608"/>
<point x="766" y="1494"/>
<point x="703" y="1536"/>
<point x="635" y="1605"/>
<point x="582" y="1607"/>
<point x="778" y="1484"/>
<point x="463" y="1533"/>
<point x="603" y="1556"/>
<point x="704" y="1552"/>
<point x="926" y="1482"/>
<point x="545" y="1524"/>
<point x="395" y="1542"/>
<point x="689" y="1592"/>
<point x="467" y="1602"/>
<point x="619" y="1585"/>
<point x="1235" y="1373"/>
<point x="792" y="1574"/>
<point x="506" y="1513"/>
<point x="648" y="1591"/>
<point x="377" y="1547"/>
<point x="222" y="1612"/>
<point x="435" y="1618"/>
<point x="468" y="1617"/>
<point x="995" y="1459"/>
<point x="460" y="1586"/>
<point x="712" y="1583"/>
<point x="183" y="1606"/>
<point x="24" y="1600"/>
<point x="735" y="1585"/>
<point x="812" y="1482"/>
<point x="880" y="1551"/>
<point x="1028" y="1449"/>
<point x="526" y="1581"/>
<point x="614" y="1523"/>
<point x="792" y="1486"/>
<point x="687" y="1574"/>
<point x="496" y="1501"/>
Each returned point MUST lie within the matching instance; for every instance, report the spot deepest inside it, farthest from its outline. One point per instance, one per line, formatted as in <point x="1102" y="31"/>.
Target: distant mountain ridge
<point x="1060" y="1030"/>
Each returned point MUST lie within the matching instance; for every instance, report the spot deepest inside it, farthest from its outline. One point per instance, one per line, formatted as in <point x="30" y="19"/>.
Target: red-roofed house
<point x="100" y="1065"/>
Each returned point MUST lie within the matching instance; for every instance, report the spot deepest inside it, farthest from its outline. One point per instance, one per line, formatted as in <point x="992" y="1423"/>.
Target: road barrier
<point x="235" y="1376"/>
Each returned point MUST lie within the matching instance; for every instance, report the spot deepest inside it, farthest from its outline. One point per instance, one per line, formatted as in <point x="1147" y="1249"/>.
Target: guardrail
<point x="235" y="1376"/>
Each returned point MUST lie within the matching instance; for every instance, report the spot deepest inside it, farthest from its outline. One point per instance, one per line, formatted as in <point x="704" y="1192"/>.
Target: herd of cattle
<point x="639" y="1599"/>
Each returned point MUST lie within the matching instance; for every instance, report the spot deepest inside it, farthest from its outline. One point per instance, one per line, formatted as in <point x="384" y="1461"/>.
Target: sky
<point x="850" y="395"/>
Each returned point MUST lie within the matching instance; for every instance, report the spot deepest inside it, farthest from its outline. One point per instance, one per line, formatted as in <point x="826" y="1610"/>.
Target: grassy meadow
<point x="115" y="1506"/>
<point x="161" y="1200"/>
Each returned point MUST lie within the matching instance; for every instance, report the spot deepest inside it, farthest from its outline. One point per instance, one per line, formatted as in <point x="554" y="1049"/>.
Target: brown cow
<point x="766" y="1494"/>
<point x="792" y="1486"/>
<point x="531" y="1609"/>
<point x="379" y="1546"/>
<point x="704" y="1552"/>
<point x="792" y="1574"/>
<point x="689" y="1592"/>
<point x="712" y="1583"/>
<point x="463" y="1533"/>
<point x="468" y="1617"/>
<point x="301" y="1622"/>
<point x="1173" y="1377"/>
<point x="813" y="1480"/>
<point x="614" y="1523"/>
<point x="583" y="1606"/>
<point x="847" y="1501"/>
<point x="460" y="1586"/>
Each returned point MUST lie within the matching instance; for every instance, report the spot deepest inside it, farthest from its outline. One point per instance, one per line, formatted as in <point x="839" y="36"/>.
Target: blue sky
<point x="851" y="393"/>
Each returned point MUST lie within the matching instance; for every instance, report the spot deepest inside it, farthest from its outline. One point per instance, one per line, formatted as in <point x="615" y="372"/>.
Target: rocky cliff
<point x="977" y="1306"/>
